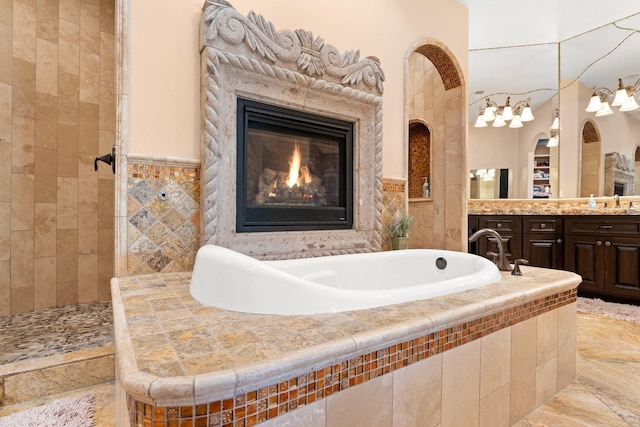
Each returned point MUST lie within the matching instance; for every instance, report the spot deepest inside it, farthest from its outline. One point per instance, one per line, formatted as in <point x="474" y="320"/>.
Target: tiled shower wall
<point x="57" y="113"/>
<point x="163" y="214"/>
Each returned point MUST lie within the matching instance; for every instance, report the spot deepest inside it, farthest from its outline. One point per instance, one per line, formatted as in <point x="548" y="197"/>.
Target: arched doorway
<point x="436" y="103"/>
<point x="590" y="160"/>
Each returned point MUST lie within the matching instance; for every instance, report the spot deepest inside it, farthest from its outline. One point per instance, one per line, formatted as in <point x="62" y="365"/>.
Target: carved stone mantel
<point x="618" y="169"/>
<point x="248" y="57"/>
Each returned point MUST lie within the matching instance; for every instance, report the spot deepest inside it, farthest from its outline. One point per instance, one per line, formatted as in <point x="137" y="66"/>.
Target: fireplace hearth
<point x="294" y="170"/>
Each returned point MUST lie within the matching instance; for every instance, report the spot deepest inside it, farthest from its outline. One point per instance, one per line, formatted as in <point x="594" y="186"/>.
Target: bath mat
<point x="69" y="412"/>
<point x="609" y="309"/>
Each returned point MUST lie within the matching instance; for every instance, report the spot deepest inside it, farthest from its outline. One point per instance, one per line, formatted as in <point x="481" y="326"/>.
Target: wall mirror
<point x="553" y="55"/>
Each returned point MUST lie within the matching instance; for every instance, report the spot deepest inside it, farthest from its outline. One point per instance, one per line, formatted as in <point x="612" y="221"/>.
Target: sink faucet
<point x="617" y="199"/>
<point x="503" y="261"/>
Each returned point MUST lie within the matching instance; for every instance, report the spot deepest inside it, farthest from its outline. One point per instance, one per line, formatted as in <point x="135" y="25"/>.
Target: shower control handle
<point x="109" y="158"/>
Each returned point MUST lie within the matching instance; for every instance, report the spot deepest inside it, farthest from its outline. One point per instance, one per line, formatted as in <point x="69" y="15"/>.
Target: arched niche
<point x="590" y="159"/>
<point x="419" y="159"/>
<point x="436" y="98"/>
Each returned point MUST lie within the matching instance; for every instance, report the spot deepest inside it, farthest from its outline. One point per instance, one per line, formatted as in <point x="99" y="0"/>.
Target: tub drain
<point x="441" y="263"/>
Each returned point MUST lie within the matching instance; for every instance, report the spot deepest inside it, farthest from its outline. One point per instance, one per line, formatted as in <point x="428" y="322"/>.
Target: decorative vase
<point x="400" y="243"/>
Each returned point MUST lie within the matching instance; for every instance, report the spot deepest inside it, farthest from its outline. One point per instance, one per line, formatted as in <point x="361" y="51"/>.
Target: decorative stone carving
<point x="311" y="56"/>
<point x="618" y="171"/>
<point x="247" y="56"/>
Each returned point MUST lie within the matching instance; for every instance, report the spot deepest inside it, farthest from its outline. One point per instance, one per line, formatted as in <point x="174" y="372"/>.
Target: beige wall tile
<point x="87" y="180"/>
<point x="6" y="7"/>
<point x="6" y="108"/>
<point x="106" y="204"/>
<point x="107" y="57"/>
<point x="566" y="345"/>
<point x="494" y="408"/>
<point x="23" y="140"/>
<point x="47" y="121"/>
<point x="68" y="87"/>
<point x="107" y="106"/>
<point x="5" y="231"/>
<point x="45" y="230"/>
<point x="89" y="27"/>
<point x="46" y="189"/>
<point x="22" y="299"/>
<point x="87" y="278"/>
<point x="47" y="67"/>
<point x="47" y="20"/>
<point x="523" y="372"/>
<point x="24" y="89"/>
<point x="69" y="47"/>
<point x="417" y="394"/>
<point x="66" y="292"/>
<point x="67" y="256"/>
<point x="5" y="172"/>
<point x="313" y="415"/>
<point x="89" y="77"/>
<point x="546" y="380"/>
<point x="104" y="287"/>
<point x="106" y="139"/>
<point x="67" y="205"/>
<point x="105" y="253"/>
<point x="67" y="154"/>
<point x="87" y="228"/>
<point x="547" y="337"/>
<point x="89" y="133"/>
<point x="22" y="260"/>
<point x="461" y="385"/>
<point x="495" y="361"/>
<point x="21" y="202"/>
<point x="6" y="52"/>
<point x="70" y="10"/>
<point x="367" y="404"/>
<point x="107" y="16"/>
<point x="44" y="282"/>
<point x="5" y="288"/>
<point x="30" y="3"/>
<point x="24" y="32"/>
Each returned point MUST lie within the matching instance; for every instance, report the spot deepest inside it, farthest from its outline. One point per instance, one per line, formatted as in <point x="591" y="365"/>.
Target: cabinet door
<point x="512" y="244"/>
<point x="543" y="251"/>
<point x="622" y="277"/>
<point x="584" y="255"/>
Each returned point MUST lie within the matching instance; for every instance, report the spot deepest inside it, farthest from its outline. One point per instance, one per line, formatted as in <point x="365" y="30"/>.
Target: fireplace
<point x="294" y="170"/>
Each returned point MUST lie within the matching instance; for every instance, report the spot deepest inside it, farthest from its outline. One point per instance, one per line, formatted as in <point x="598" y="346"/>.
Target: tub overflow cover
<point x="441" y="263"/>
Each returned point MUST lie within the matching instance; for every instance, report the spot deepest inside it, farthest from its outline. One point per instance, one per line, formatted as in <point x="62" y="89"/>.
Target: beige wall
<point x="57" y="113"/>
<point x="165" y="70"/>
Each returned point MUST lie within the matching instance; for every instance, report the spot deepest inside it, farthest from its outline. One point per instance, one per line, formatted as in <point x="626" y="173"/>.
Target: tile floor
<point x="605" y="393"/>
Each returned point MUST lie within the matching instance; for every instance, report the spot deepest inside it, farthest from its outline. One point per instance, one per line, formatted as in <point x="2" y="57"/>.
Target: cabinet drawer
<point x="502" y="224"/>
<point x="619" y="226"/>
<point x="547" y="224"/>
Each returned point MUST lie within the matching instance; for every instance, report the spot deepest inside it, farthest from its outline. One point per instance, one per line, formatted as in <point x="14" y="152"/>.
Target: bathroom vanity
<point x="602" y="245"/>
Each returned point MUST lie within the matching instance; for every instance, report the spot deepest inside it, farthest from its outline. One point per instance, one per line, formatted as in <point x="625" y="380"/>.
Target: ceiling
<point x="514" y="47"/>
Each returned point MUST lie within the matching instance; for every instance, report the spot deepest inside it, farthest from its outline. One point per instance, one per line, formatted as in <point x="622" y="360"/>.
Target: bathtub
<point x="232" y="281"/>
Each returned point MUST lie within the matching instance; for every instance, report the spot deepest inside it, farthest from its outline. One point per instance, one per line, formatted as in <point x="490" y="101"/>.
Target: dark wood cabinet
<point x="603" y="249"/>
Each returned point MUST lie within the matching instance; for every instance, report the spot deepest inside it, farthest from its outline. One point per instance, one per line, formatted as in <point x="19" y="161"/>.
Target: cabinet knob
<point x="607" y="243"/>
<point x="559" y="241"/>
<point x="499" y="225"/>
<point x="599" y="243"/>
<point x="543" y="225"/>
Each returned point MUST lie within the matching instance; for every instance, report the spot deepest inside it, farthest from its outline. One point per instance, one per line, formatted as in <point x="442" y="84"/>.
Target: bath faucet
<point x="503" y="261"/>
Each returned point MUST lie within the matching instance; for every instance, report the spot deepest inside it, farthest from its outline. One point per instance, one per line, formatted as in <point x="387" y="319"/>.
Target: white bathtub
<point x="232" y="281"/>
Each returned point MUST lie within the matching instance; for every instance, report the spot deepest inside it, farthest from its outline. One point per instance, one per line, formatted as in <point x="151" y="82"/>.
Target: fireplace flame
<point x="298" y="175"/>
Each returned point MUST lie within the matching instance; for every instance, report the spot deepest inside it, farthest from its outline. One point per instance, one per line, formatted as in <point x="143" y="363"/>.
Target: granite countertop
<point x="170" y="346"/>
<point x="574" y="206"/>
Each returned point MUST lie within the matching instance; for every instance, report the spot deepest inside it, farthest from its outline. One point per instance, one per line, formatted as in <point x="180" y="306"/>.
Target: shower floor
<point x="55" y="330"/>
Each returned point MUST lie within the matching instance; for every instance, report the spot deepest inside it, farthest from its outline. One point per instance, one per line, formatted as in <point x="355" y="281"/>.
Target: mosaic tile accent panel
<point x="163" y="235"/>
<point x="54" y="331"/>
<point x="393" y="200"/>
<point x="276" y="399"/>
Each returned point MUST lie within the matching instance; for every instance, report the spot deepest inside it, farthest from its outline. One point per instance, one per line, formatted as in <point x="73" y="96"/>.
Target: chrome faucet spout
<point x="503" y="261"/>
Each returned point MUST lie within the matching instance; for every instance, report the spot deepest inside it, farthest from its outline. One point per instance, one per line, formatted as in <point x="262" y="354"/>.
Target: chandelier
<point x="501" y="114"/>
<point x="623" y="97"/>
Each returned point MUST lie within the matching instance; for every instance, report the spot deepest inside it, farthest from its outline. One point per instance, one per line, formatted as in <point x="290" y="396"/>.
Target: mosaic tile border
<point x="392" y="187"/>
<point x="257" y="406"/>
<point x="166" y="172"/>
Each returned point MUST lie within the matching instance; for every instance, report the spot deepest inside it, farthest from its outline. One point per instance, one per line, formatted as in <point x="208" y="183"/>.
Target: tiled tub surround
<point x="162" y="235"/>
<point x="482" y="357"/>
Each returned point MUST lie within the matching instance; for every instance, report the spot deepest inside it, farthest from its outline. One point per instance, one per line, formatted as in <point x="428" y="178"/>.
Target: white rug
<point x="610" y="309"/>
<point x="70" y="412"/>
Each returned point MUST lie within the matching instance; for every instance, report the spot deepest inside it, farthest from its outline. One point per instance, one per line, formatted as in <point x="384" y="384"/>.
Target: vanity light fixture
<point x="623" y="97"/>
<point x="556" y="121"/>
<point x="517" y="114"/>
